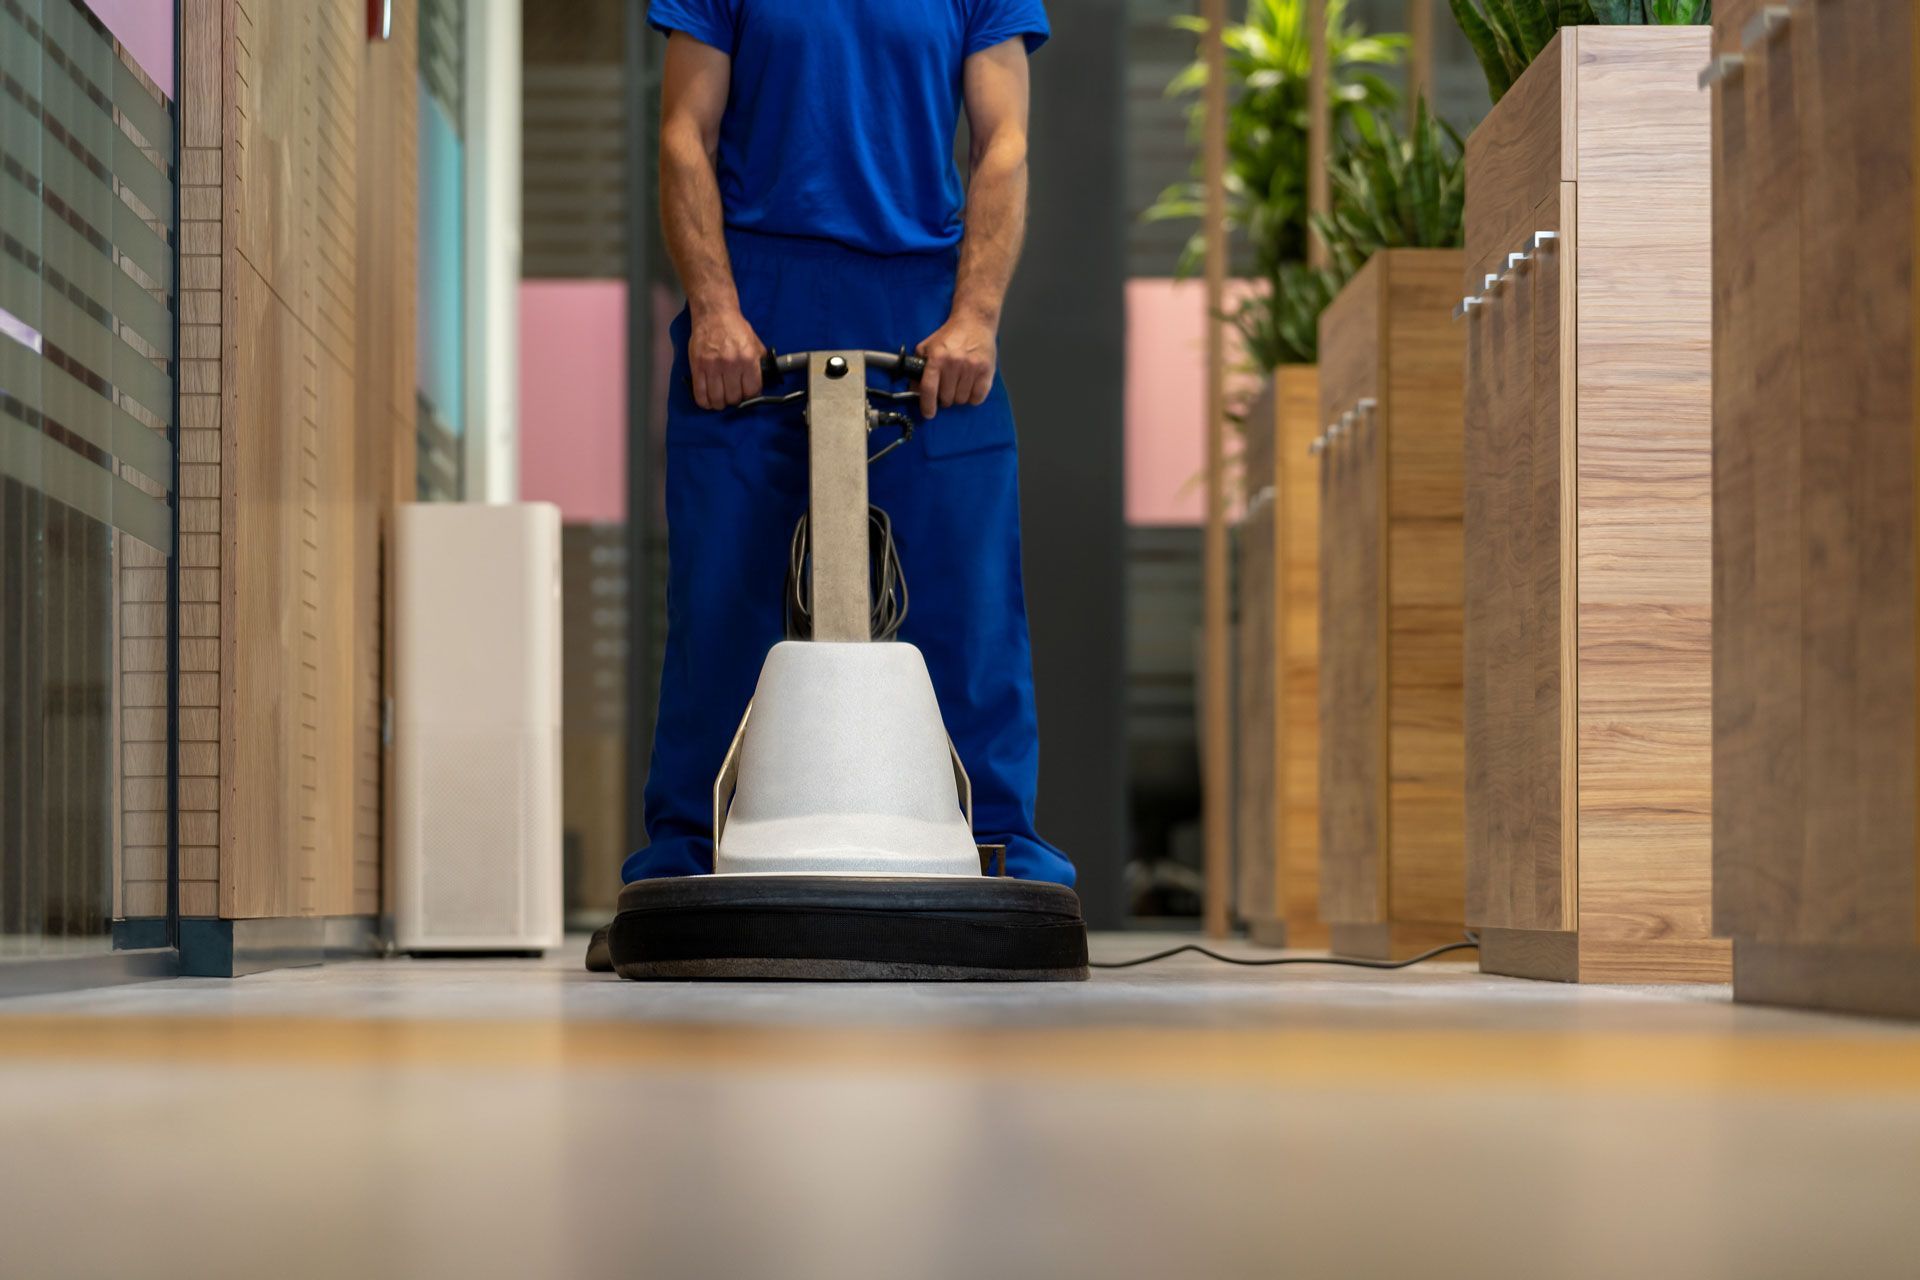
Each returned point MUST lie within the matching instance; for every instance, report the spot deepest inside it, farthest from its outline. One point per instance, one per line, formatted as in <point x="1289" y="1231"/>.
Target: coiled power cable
<point x="887" y="582"/>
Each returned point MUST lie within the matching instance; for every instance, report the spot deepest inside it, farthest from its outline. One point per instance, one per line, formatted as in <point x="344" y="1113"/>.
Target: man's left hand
<point x="960" y="356"/>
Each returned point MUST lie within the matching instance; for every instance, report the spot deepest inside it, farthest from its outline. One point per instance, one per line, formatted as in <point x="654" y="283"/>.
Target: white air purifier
<point x="476" y="864"/>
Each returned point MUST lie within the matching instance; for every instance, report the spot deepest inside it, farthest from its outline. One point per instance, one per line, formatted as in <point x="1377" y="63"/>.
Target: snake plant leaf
<point x="1537" y="22"/>
<point x="1486" y="46"/>
<point x="1618" y="13"/>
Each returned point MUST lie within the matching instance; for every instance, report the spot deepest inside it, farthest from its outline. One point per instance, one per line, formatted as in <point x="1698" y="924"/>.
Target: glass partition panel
<point x="87" y="332"/>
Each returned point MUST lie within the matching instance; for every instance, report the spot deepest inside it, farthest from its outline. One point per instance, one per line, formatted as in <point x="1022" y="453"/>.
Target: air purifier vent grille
<point x="477" y="826"/>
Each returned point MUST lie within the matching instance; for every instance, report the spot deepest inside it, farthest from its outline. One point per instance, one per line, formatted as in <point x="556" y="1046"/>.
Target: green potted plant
<point x="1268" y="57"/>
<point x="1389" y="191"/>
<point x="1507" y="35"/>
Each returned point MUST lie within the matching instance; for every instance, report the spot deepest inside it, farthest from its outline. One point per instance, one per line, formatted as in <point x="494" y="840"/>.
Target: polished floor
<point x="521" y="1118"/>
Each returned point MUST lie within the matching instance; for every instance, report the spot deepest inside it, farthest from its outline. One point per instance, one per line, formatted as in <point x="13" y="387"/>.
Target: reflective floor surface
<point x="522" y="1118"/>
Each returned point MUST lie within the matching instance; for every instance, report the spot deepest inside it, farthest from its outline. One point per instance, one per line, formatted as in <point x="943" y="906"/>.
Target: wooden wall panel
<point x="297" y="302"/>
<point x="203" y="103"/>
<point x="265" y="765"/>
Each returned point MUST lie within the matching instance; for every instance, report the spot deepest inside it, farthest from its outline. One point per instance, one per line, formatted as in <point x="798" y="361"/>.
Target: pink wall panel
<point x="1166" y="399"/>
<point x="145" y="27"/>
<point x="573" y="397"/>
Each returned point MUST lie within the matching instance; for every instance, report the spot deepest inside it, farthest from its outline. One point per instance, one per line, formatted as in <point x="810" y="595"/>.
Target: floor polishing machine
<point x="842" y="815"/>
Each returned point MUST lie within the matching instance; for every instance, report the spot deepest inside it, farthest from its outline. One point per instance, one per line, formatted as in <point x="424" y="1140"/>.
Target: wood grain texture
<point x="1517" y="157"/>
<point x="1644" y="459"/>
<point x="1392" y="853"/>
<point x="299" y="473"/>
<point x="1518" y="590"/>
<point x="203" y="99"/>
<point x="1549" y="955"/>
<point x="1854" y="877"/>
<point x="1884" y="981"/>
<point x="1353" y="614"/>
<point x="1589" y="631"/>
<point x="1278" y="842"/>
<point x="1815" y="484"/>
<point x="1297" y="629"/>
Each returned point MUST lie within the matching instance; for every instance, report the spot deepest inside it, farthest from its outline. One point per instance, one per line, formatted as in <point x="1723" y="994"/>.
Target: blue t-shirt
<point x="841" y="118"/>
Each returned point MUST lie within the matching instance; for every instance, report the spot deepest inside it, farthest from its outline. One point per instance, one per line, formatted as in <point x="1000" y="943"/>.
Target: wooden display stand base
<point x="1883" y="981"/>
<point x="1564" y="956"/>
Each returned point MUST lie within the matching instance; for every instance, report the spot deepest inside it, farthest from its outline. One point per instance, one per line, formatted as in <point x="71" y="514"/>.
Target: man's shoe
<point x="599" y="957"/>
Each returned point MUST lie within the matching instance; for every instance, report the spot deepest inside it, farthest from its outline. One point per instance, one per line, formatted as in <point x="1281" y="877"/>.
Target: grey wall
<point x="1063" y="350"/>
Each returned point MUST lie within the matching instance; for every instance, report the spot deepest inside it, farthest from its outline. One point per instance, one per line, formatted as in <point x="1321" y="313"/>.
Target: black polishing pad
<point x="860" y="928"/>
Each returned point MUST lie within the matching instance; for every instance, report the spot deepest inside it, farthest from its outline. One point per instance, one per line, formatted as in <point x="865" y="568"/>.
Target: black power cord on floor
<point x="1470" y="942"/>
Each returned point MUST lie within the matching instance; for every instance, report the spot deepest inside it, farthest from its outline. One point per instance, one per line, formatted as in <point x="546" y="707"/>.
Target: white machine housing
<point x="842" y="765"/>
<point x="476" y="863"/>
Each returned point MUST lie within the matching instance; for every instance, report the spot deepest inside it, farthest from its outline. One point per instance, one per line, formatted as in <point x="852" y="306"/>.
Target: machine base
<point x="846" y="928"/>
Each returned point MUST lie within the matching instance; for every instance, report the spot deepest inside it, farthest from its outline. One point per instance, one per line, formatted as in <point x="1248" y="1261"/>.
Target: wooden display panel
<point x="1392" y="762"/>
<point x="1815" y="872"/>
<point x="1278" y="835"/>
<point x="1588" y="521"/>
<point x="298" y="232"/>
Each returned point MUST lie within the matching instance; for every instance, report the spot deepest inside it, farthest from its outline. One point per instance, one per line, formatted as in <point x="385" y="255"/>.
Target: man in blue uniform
<point x="811" y="201"/>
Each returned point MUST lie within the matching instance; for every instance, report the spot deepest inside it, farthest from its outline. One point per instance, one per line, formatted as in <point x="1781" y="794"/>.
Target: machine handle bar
<point x="774" y="366"/>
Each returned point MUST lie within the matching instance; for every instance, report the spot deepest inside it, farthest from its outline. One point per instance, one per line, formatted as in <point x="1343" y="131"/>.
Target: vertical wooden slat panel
<point x="298" y="303"/>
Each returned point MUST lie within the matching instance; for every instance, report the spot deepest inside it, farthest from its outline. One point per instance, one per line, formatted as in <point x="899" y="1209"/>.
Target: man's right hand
<point x="725" y="355"/>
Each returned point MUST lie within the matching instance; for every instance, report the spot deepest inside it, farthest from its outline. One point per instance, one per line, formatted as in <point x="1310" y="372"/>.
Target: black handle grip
<point x="773" y="366"/>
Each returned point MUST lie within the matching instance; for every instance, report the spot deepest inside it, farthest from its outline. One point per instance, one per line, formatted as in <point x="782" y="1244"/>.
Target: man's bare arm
<point x="723" y="349"/>
<point x="961" y="354"/>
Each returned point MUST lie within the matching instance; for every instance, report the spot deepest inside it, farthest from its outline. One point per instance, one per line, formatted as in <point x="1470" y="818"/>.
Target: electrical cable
<point x="1472" y="940"/>
<point x="888" y="581"/>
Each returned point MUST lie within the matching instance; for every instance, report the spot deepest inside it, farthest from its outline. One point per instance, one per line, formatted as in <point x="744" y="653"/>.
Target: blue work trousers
<point x="736" y="484"/>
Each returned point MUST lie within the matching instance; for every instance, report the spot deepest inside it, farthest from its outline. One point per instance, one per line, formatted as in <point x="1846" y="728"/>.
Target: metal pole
<point x="1419" y="55"/>
<point x="641" y="670"/>
<point x="1319" y="125"/>
<point x="1216" y="760"/>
